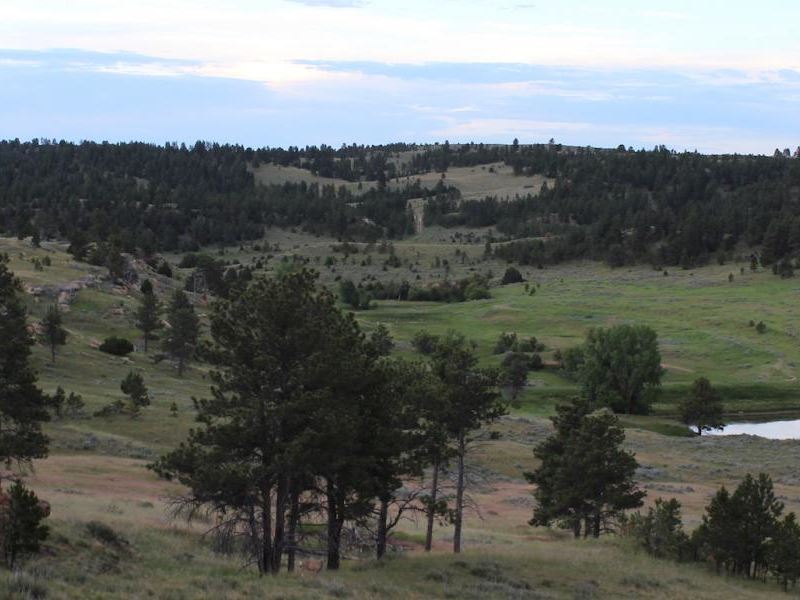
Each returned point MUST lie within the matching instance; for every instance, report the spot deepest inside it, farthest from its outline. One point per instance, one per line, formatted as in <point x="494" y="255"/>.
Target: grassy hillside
<point x="96" y="471"/>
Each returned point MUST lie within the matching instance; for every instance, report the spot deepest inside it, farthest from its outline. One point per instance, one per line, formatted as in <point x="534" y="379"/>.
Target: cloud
<point x="332" y="3"/>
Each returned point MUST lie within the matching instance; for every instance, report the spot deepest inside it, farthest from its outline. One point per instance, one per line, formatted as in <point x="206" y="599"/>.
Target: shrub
<point x="424" y="342"/>
<point x="512" y="275"/>
<point x="761" y="327"/>
<point x="117" y="346"/>
<point x="189" y="261"/>
<point x="506" y="342"/>
<point x="536" y="363"/>
<point x="105" y="534"/>
<point x="531" y="345"/>
<point x="164" y="269"/>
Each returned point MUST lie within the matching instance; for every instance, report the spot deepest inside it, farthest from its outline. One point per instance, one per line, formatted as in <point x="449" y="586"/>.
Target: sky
<point x="707" y="75"/>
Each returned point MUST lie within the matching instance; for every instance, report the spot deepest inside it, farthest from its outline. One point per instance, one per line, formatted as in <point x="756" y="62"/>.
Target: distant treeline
<point x="148" y="198"/>
<point x="620" y="205"/>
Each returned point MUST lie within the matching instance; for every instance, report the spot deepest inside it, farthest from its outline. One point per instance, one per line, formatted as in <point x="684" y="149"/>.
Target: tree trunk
<point x="280" y="521"/>
<point x="383" y="515"/>
<point x="266" y="532"/>
<point x="596" y="526"/>
<point x="334" y="528"/>
<point x="294" y="518"/>
<point x="459" y="518"/>
<point x="53" y="353"/>
<point x="432" y="507"/>
<point x="180" y="366"/>
<point x="576" y="528"/>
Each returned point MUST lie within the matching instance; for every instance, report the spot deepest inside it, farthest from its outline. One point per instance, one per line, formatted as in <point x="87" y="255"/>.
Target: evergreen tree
<point x="180" y="339"/>
<point x="148" y="317"/>
<point x="470" y="400"/>
<point x="23" y="406"/>
<point x="515" y="372"/>
<point x="703" y="407"/>
<point x="661" y="530"/>
<point x="737" y="528"/>
<point x="21" y="530"/>
<point x="134" y="388"/>
<point x="411" y="440"/>
<point x="295" y="405"/>
<point x="783" y="553"/>
<point x="53" y="334"/>
<point x="381" y="340"/>
<point x="585" y="478"/>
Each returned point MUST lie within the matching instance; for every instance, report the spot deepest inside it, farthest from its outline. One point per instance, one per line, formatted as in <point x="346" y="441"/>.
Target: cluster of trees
<point x="617" y="205"/>
<point x="744" y="532"/>
<point x="359" y="297"/>
<point x="309" y="420"/>
<point x="107" y="198"/>
<point x="625" y="206"/>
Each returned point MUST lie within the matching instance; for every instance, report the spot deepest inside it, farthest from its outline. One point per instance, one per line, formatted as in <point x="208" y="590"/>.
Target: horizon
<point x="720" y="78"/>
<point x="187" y="145"/>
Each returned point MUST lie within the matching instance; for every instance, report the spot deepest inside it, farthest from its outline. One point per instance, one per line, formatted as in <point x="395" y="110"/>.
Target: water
<point x="774" y="430"/>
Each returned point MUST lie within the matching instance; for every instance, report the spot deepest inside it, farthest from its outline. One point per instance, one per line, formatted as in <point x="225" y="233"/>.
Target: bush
<point x="117" y="346"/>
<point x="424" y="342"/>
<point x="189" y="261"/>
<point x="105" y="535"/>
<point x="536" y="363"/>
<point x="512" y="275"/>
<point x="506" y="342"/>
<point x="164" y="269"/>
<point x="531" y="345"/>
<point x="761" y="327"/>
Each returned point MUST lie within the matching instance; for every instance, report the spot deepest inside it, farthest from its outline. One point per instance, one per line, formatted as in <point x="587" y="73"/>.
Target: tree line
<point x="619" y="205"/>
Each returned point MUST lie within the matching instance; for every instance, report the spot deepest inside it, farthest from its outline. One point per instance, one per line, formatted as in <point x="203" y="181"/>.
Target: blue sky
<point x="714" y="76"/>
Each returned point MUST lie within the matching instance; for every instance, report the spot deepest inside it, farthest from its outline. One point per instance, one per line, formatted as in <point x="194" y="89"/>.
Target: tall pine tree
<point x="181" y="337"/>
<point x="23" y="406"/>
<point x="148" y="318"/>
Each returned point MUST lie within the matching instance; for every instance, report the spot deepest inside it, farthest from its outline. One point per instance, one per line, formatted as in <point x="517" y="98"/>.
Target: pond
<point x="774" y="430"/>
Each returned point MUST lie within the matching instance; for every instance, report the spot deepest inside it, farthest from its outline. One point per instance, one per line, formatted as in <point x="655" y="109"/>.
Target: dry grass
<point x="478" y="182"/>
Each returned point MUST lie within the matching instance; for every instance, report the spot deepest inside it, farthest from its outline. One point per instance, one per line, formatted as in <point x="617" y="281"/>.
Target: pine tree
<point x="23" y="406"/>
<point x="585" y="478"/>
<point x="295" y="404"/>
<point x="148" y="317"/>
<point x="737" y="528"/>
<point x="470" y="400"/>
<point x="53" y="333"/>
<point x="783" y="553"/>
<point x="180" y="339"/>
<point x="702" y="408"/>
<point x="133" y="386"/>
<point x="21" y="531"/>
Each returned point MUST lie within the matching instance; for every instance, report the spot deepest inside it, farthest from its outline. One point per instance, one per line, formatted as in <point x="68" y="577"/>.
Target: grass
<point x="701" y="319"/>
<point x="97" y="468"/>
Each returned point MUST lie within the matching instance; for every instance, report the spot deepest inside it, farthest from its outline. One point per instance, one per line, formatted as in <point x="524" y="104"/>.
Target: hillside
<point x="96" y="471"/>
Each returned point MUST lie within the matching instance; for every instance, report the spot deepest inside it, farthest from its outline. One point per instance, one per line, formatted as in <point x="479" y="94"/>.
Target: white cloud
<point x="239" y="38"/>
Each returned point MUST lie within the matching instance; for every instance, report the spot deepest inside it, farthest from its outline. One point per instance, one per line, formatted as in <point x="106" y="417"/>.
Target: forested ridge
<point x="621" y="205"/>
